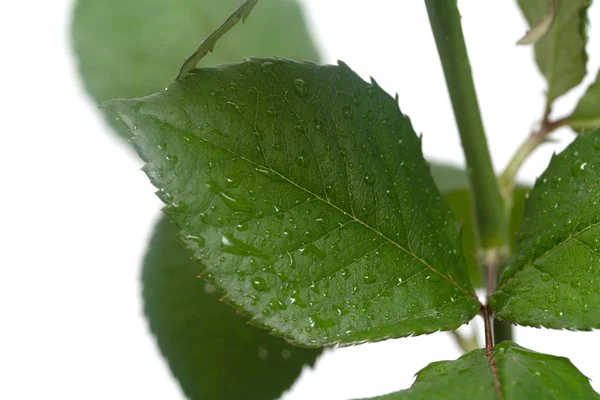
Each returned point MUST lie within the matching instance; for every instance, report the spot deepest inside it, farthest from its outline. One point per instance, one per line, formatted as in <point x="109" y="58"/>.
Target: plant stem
<point x="508" y="178"/>
<point x="489" y="209"/>
<point x="502" y="331"/>
<point x="488" y="321"/>
<point x="490" y="213"/>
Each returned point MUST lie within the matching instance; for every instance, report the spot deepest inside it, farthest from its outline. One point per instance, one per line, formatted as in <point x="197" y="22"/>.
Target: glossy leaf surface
<point x="553" y="279"/>
<point x="133" y="48"/>
<point x="587" y="113"/>
<point x="303" y="191"/>
<point x="213" y="353"/>
<point x="560" y="53"/>
<point x="521" y="375"/>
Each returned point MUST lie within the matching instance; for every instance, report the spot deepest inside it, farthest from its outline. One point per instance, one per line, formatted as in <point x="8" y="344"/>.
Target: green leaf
<point x="521" y="374"/>
<point x="213" y="353"/>
<point x="303" y="191"/>
<point x="133" y="48"/>
<point x="560" y="54"/>
<point x="553" y="279"/>
<point x="587" y="112"/>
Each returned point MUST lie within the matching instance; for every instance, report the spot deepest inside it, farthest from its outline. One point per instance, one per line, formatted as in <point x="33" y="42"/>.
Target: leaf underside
<point x="132" y="48"/>
<point x="553" y="279"/>
<point x="540" y="30"/>
<point x="303" y="192"/>
<point x="206" y="344"/>
<point x="521" y="374"/>
<point x="560" y="54"/>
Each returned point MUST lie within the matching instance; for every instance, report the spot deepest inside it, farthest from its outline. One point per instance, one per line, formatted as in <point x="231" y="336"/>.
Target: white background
<point x="76" y="212"/>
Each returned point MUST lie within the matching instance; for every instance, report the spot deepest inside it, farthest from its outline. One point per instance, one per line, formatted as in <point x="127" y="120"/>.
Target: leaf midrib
<point x="316" y="196"/>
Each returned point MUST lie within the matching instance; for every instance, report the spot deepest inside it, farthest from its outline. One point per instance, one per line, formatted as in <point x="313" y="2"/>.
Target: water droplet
<point x="262" y="352"/>
<point x="297" y="300"/>
<point x="196" y="239"/>
<point x="369" y="278"/>
<point x="259" y="284"/>
<point x="233" y="203"/>
<point x="231" y="245"/>
<point x="578" y="167"/>
<point x="242" y="227"/>
<point x="276" y="304"/>
<point x="347" y="111"/>
<point x="300" y="87"/>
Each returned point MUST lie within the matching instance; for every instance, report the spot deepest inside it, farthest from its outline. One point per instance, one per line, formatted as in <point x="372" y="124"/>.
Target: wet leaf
<point x="303" y="191"/>
<point x="553" y="279"/>
<point x="521" y="374"/>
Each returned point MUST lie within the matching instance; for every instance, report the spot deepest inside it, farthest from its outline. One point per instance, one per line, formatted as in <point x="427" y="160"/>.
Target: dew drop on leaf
<point x="259" y="284"/>
<point x="300" y="87"/>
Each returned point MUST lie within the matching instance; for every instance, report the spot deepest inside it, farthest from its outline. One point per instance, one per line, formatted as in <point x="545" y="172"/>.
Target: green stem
<point x="508" y="178"/>
<point x="489" y="208"/>
<point x="502" y="331"/>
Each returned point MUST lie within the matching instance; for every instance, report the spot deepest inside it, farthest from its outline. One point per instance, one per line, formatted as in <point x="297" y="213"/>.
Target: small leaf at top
<point x="133" y="48"/>
<point x="208" y="44"/>
<point x="553" y="278"/>
<point x="543" y="27"/>
<point x="303" y="191"/>
<point x="560" y="53"/>
<point x="213" y="353"/>
<point x="516" y="374"/>
<point x="587" y="113"/>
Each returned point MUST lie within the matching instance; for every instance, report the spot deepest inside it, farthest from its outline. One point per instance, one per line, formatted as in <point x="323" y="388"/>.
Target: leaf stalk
<point x="507" y="179"/>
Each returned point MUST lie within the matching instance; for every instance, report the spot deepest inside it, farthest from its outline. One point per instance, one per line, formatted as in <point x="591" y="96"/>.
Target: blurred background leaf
<point x="133" y="48"/>
<point x="212" y="351"/>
